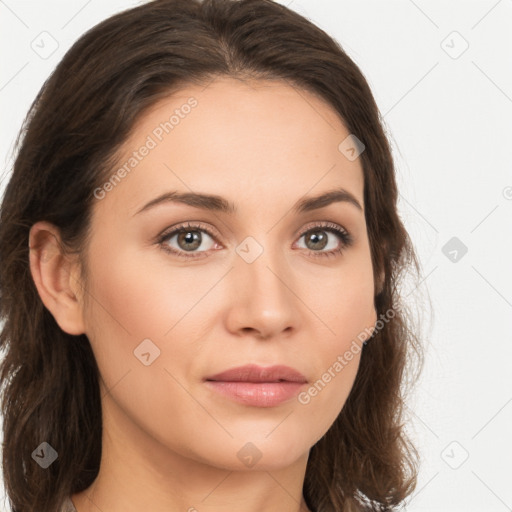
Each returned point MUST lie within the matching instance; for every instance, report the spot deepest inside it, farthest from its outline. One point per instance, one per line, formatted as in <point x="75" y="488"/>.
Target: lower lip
<point x="258" y="394"/>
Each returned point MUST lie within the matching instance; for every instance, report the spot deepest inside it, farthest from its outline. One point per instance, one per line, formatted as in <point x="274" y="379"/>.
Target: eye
<point x="317" y="239"/>
<point x="184" y="240"/>
<point x="188" y="238"/>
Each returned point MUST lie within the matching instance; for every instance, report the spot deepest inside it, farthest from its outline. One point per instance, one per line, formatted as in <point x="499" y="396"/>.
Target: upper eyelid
<point x="322" y="224"/>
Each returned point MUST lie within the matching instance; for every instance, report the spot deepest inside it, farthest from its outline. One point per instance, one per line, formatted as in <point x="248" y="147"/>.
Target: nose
<point x="262" y="301"/>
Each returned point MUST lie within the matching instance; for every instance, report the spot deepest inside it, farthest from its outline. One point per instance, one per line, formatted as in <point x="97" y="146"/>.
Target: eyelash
<point x="346" y="239"/>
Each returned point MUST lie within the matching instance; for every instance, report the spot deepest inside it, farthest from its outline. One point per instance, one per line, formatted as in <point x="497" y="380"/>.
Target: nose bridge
<point x="262" y="268"/>
<point x="263" y="297"/>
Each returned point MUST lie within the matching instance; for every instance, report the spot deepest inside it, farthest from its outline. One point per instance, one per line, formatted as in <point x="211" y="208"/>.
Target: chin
<point x="263" y="454"/>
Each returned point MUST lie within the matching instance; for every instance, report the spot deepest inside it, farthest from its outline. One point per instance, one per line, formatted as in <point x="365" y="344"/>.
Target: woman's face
<point x="247" y="285"/>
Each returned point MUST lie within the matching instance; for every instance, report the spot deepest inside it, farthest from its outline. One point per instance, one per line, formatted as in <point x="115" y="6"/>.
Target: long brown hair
<point x="79" y="119"/>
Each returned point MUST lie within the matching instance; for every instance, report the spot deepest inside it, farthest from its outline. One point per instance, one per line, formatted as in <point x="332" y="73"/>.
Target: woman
<point x="201" y="250"/>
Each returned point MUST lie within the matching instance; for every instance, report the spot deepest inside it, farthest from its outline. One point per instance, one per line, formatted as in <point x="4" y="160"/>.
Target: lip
<point x="255" y="373"/>
<point x="256" y="385"/>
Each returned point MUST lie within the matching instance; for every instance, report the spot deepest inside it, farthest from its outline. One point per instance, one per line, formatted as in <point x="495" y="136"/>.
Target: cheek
<point x="131" y="311"/>
<point x="144" y="298"/>
<point x="142" y="306"/>
<point x="344" y="302"/>
<point x="345" y="307"/>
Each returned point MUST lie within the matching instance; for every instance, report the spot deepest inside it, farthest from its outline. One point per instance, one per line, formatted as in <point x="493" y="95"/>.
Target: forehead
<point x="238" y="139"/>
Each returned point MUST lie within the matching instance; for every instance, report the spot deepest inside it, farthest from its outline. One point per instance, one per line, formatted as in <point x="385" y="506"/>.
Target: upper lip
<point x="255" y="373"/>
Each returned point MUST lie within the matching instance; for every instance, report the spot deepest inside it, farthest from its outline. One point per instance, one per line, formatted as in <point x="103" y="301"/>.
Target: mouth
<point x="258" y="386"/>
<point x="258" y="374"/>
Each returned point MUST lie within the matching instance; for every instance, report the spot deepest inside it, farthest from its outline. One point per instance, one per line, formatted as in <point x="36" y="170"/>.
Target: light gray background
<point x="448" y="112"/>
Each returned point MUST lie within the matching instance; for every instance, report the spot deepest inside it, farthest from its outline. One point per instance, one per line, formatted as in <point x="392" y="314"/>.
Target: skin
<point x="169" y="443"/>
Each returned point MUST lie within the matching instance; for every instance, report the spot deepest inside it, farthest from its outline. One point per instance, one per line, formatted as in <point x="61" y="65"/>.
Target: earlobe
<point x="55" y="277"/>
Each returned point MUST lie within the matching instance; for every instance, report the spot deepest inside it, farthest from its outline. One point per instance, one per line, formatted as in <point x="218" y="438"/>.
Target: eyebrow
<point x="220" y="204"/>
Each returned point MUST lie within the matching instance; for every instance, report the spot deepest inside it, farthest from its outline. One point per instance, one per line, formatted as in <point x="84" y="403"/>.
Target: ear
<point x="55" y="275"/>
